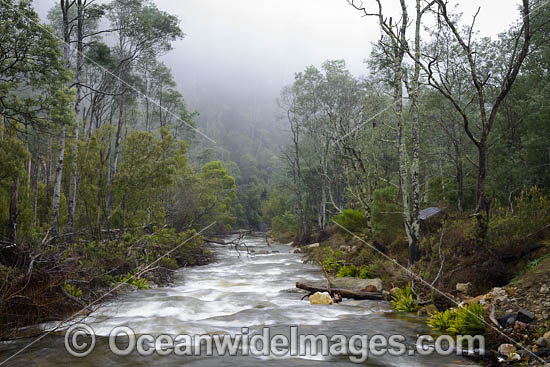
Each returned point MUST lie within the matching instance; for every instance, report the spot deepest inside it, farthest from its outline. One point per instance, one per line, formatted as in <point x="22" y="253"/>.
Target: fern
<point x="467" y="320"/>
<point x="404" y="300"/>
<point x="442" y="320"/>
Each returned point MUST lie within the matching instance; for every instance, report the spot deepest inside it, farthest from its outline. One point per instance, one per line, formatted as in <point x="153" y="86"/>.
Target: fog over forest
<point x="238" y="55"/>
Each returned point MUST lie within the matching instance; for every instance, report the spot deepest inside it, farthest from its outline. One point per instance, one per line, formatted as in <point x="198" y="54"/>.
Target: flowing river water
<point x="234" y="292"/>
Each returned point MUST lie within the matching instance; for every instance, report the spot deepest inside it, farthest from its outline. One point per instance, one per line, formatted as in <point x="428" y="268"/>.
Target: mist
<point x="237" y="56"/>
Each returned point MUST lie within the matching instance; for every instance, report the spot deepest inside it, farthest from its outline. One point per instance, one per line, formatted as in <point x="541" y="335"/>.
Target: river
<point x="236" y="291"/>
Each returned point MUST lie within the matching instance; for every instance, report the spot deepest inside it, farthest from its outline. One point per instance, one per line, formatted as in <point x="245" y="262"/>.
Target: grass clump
<point x="404" y="300"/>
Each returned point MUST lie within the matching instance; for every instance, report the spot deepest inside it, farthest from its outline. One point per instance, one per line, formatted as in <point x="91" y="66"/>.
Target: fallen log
<point x="345" y="293"/>
<point x="213" y="240"/>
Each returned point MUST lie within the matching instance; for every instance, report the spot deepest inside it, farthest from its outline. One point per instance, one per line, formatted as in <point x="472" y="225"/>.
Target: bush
<point x="354" y="272"/>
<point x="132" y="280"/>
<point x="404" y="300"/>
<point x="510" y="229"/>
<point x="353" y="220"/>
<point x="331" y="260"/>
<point x="283" y="225"/>
<point x="386" y="217"/>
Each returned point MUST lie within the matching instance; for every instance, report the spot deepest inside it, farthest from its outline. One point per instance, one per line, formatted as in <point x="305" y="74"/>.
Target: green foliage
<point x="404" y="300"/>
<point x="467" y="320"/>
<point x="283" y="225"/>
<point x="442" y="321"/>
<point x="331" y="260"/>
<point x="353" y="220"/>
<point x="531" y="214"/>
<point x="533" y="264"/>
<point x="386" y="214"/>
<point x="132" y="280"/>
<point x="353" y="271"/>
<point x="73" y="290"/>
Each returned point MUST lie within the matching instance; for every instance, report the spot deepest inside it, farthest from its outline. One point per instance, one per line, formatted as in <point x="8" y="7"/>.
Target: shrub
<point x="331" y="260"/>
<point x="354" y="272"/>
<point x="353" y="220"/>
<point x="404" y="300"/>
<point x="531" y="214"/>
<point x="386" y="217"/>
<point x="132" y="280"/>
<point x="73" y="290"/>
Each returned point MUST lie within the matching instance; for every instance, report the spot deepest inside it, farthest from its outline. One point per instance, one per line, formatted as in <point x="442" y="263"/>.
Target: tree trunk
<point x="14" y="211"/>
<point x="73" y="195"/>
<point x="482" y="204"/>
<point x="57" y="184"/>
<point x="65" y="6"/>
<point x="459" y="179"/>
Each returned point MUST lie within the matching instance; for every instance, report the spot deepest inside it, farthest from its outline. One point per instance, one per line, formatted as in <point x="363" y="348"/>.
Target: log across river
<point x="235" y="292"/>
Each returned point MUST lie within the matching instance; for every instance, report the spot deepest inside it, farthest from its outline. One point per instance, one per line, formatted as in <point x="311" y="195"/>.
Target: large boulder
<point x="465" y="288"/>
<point x="352" y="284"/>
<point x="320" y="299"/>
<point x="547" y="338"/>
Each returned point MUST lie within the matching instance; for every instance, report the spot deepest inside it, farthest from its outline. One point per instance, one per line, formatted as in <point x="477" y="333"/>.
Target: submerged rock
<point x="427" y="310"/>
<point x="320" y="299"/>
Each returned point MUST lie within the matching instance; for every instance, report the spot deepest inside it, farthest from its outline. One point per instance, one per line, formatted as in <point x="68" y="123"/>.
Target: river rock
<point x="507" y="349"/>
<point x="427" y="310"/>
<point x="465" y="288"/>
<point x="544" y="289"/>
<point x="507" y="320"/>
<point x="320" y="299"/>
<point x="370" y="288"/>
<point x="350" y="284"/>
<point x="356" y="284"/>
<point x="541" y="342"/>
<point x="547" y="338"/>
<point x="525" y="316"/>
<point x="498" y="295"/>
<point x="315" y="245"/>
<point x="296" y="251"/>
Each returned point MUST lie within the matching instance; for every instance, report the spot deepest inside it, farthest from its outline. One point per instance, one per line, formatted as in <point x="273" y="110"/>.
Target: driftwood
<point x="212" y="240"/>
<point x="345" y="293"/>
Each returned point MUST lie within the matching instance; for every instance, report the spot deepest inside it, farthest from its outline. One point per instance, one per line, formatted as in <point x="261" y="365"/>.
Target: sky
<point x="243" y="49"/>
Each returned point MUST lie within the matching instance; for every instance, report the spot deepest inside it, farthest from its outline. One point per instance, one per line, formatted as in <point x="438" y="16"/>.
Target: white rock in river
<point x="320" y="299"/>
<point x="315" y="245"/>
<point x="507" y="349"/>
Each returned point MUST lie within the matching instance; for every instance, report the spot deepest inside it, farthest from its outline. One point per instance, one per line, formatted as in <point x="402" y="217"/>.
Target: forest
<point x="104" y="168"/>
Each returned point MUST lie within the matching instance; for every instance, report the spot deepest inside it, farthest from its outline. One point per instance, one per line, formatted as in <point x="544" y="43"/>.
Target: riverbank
<point x="47" y="282"/>
<point x="512" y="279"/>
